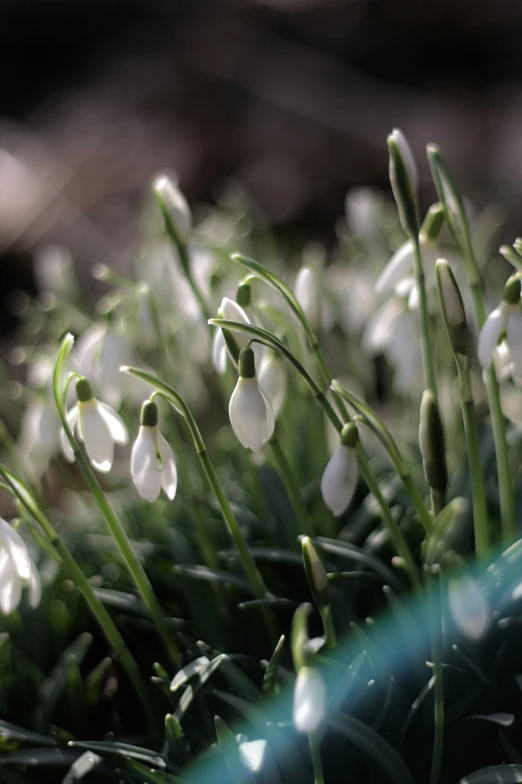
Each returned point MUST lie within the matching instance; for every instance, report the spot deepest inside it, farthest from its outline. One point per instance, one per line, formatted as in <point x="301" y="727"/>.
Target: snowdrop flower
<point x="272" y="379"/>
<point x="404" y="180"/>
<point x="340" y="475"/>
<point x="452" y="307"/>
<point x="39" y="434"/>
<point x="505" y="319"/>
<point x="231" y="311"/>
<point x="306" y="290"/>
<point x="394" y="331"/>
<point x="97" y="425"/>
<point x="309" y="700"/>
<point x="99" y="354"/>
<point x="362" y="208"/>
<point x="469" y="607"/>
<point x="175" y="205"/>
<point x="251" y="414"/>
<point x="16" y="570"/>
<point x="153" y="465"/>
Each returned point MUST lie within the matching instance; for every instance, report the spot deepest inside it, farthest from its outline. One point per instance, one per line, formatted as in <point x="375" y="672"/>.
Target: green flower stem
<point x="254" y="575"/>
<point x="63" y="556"/>
<point x="328" y="625"/>
<point x="480" y="515"/>
<point x="266" y="338"/>
<point x="117" y="530"/>
<point x="458" y="225"/>
<point x="292" y="485"/>
<point x="386" y="439"/>
<point x="428" y="363"/>
<point x="438" y="689"/>
<point x="316" y="758"/>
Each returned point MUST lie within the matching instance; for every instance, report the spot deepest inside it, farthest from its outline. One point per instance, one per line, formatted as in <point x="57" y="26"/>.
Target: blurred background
<point x="293" y="98"/>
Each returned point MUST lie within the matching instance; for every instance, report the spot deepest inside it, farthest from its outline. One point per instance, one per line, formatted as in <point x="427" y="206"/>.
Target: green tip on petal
<point x="349" y="435"/>
<point x="84" y="390"/>
<point x="149" y="414"/>
<point x="244" y="294"/>
<point x="246" y="363"/>
<point x="512" y="291"/>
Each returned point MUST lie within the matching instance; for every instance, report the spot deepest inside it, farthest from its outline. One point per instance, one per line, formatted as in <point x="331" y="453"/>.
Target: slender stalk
<point x="430" y="378"/>
<point x="438" y="686"/>
<point x="316" y="758"/>
<point x="480" y="516"/>
<point x="114" y="525"/>
<point x="254" y="575"/>
<point x="328" y="625"/>
<point x="63" y="556"/>
<point x="291" y="484"/>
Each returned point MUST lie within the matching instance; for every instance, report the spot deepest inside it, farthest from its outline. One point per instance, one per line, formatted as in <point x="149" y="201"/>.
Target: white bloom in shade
<point x="16" y="570"/>
<point x="505" y="319"/>
<point x="175" y="204"/>
<point x="39" y="434"/>
<point x="153" y="465"/>
<point x="97" y="425"/>
<point x="251" y="414"/>
<point x="99" y="354"/>
<point x="231" y="311"/>
<point x="307" y="294"/>
<point x="340" y="476"/>
<point x="309" y="700"/>
<point x="252" y="753"/>
<point x="399" y="274"/>
<point x="272" y="379"/>
<point x="469" y="607"/>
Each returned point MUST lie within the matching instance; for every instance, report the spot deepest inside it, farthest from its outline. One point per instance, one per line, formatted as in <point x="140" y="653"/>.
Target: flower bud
<point x="309" y="700"/>
<point x="403" y="179"/>
<point x="307" y="294"/>
<point x="432" y="444"/>
<point x="174" y="206"/>
<point x="452" y="308"/>
<point x="433" y="222"/>
<point x="315" y="572"/>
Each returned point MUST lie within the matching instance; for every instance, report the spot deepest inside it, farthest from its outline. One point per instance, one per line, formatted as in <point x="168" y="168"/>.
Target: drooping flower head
<point x="340" y="475"/>
<point x="16" y="570"/>
<point x="231" y="311"/>
<point x="175" y="205"/>
<point x="153" y="465"/>
<point x="506" y="320"/>
<point x="96" y="425"/>
<point x="251" y="414"/>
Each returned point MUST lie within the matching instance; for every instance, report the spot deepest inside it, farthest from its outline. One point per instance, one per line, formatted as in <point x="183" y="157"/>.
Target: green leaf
<point x="496" y="774"/>
<point x="230" y="750"/>
<point x="176" y="744"/>
<point x="191" y="691"/>
<point x="456" y="508"/>
<point x="140" y="774"/>
<point x="112" y="748"/>
<point x="347" y="550"/>
<point x="54" y="686"/>
<point x="47" y="757"/>
<point x="270" y="681"/>
<point x="13" y="732"/>
<point x="198" y="572"/>
<point x="82" y="767"/>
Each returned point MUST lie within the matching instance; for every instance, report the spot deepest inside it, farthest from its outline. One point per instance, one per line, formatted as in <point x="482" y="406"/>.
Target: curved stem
<point x="117" y="530"/>
<point x="254" y="575"/>
<point x="63" y="556"/>
<point x="430" y="378"/>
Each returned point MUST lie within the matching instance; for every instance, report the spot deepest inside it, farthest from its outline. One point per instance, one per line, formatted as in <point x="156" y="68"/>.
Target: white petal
<point x="307" y="294"/>
<point x="219" y="352"/>
<point x="490" y="333"/>
<point x="339" y="479"/>
<point x="16" y="549"/>
<point x="72" y="419"/>
<point x="115" y="353"/>
<point x="169" y="471"/>
<point x="272" y="380"/>
<point x="309" y="700"/>
<point x="87" y="350"/>
<point x="250" y="414"/>
<point x="233" y="312"/>
<point x="96" y="436"/>
<point x="115" y="423"/>
<point x="413" y="299"/>
<point x="35" y="587"/>
<point x="10" y="585"/>
<point x="379" y="329"/>
<point x="145" y="470"/>
<point x="469" y="607"/>
<point x="253" y="754"/>
<point x="514" y="340"/>
<point x="399" y="266"/>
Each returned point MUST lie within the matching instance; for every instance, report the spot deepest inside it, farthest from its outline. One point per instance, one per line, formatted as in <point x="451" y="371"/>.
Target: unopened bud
<point x="309" y="700"/>
<point x="403" y="179"/>
<point x="315" y="572"/>
<point x="174" y="206"/>
<point x="307" y="294"/>
<point x="452" y="308"/>
<point x="432" y="443"/>
<point x="349" y="435"/>
<point x="433" y="222"/>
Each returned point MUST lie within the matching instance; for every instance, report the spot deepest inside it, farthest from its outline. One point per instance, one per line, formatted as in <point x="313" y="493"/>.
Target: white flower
<point x="153" y="465"/>
<point x="399" y="275"/>
<point x="251" y="414"/>
<point x="506" y="318"/>
<point x="231" y="311"/>
<point x="362" y="207"/>
<point x="175" y="204"/>
<point x="99" y="354"/>
<point x="406" y="154"/>
<point x="97" y="425"/>
<point x="309" y="700"/>
<point x="469" y="607"/>
<point x="39" y="434"/>
<point x="339" y="478"/>
<point x="272" y="379"/>
<point x="394" y="331"/>
<point x="16" y="569"/>
<point x="307" y="294"/>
